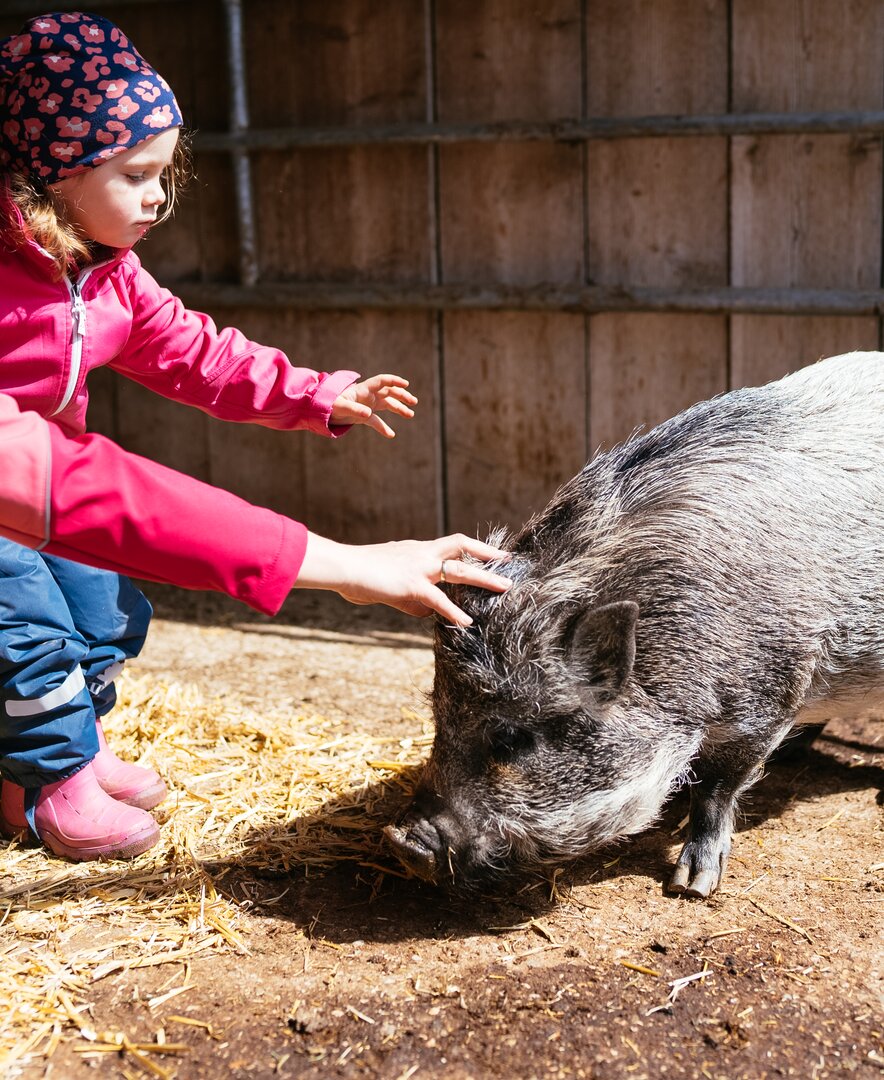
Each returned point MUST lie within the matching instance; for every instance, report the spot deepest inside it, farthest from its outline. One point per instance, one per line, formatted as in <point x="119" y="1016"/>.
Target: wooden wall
<point x="512" y="401"/>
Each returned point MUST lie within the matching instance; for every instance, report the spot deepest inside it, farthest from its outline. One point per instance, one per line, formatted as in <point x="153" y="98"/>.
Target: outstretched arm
<point x="403" y="574"/>
<point x="86" y="499"/>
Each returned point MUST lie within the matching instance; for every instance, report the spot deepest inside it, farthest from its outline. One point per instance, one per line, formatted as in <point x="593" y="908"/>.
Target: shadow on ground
<point x="305" y="610"/>
<point x="375" y="903"/>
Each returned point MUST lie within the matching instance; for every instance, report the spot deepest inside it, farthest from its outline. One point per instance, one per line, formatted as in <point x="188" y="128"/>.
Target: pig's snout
<point x="426" y="840"/>
<point x="416" y="847"/>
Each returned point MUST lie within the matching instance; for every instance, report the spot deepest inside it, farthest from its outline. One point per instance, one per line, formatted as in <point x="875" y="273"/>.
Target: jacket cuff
<point x="331" y="387"/>
<point x="282" y="574"/>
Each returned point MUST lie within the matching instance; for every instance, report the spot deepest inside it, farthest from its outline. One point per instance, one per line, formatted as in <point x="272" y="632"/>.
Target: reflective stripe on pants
<point x="63" y="628"/>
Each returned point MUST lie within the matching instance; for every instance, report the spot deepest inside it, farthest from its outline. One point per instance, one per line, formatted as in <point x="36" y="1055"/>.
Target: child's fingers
<point x="378" y="382"/>
<point x="396" y="393"/>
<point x="471" y="574"/>
<point x="399" y="407"/>
<point x="480" y="550"/>
<point x="353" y="412"/>
<point x="381" y="426"/>
<point x="444" y="606"/>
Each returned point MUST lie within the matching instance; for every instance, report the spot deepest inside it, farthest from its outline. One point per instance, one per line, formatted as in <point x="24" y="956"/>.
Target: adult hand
<point x="360" y="403"/>
<point x="404" y="574"/>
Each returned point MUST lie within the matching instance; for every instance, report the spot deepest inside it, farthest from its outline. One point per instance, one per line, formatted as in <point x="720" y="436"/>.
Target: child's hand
<point x="404" y="574"/>
<point x="360" y="403"/>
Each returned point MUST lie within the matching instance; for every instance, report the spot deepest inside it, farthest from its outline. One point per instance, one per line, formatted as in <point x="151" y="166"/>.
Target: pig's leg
<point x="721" y="776"/>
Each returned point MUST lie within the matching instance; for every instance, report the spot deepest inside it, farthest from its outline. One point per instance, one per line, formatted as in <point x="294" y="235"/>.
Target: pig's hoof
<point x="411" y="852"/>
<point x="702" y="884"/>
<point x="695" y="876"/>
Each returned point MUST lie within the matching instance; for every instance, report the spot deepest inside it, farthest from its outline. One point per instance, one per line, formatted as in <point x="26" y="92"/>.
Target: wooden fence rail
<point x="869" y="122"/>
<point x="586" y="300"/>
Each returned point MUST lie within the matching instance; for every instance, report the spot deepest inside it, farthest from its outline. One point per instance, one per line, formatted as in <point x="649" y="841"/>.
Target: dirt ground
<point x="594" y="972"/>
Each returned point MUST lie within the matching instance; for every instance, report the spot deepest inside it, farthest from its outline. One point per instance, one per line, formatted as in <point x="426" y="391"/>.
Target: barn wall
<point x="514" y="396"/>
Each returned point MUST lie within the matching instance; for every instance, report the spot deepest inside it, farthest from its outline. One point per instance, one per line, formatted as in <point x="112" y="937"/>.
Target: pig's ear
<point x="601" y="643"/>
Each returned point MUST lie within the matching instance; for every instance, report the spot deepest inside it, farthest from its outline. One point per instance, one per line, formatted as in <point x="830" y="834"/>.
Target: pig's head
<point x="546" y="744"/>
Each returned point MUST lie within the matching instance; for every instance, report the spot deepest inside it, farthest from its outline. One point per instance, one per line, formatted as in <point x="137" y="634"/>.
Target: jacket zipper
<point x="78" y="335"/>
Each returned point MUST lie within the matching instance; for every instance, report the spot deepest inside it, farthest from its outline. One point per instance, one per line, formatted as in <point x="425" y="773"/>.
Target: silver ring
<point x="442" y="578"/>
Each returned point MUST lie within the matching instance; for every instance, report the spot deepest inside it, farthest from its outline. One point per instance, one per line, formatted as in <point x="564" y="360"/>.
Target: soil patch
<point x="350" y="969"/>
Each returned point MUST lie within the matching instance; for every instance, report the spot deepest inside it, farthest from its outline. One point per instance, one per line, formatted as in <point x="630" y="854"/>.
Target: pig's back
<point x="812" y="439"/>
<point x="759" y="516"/>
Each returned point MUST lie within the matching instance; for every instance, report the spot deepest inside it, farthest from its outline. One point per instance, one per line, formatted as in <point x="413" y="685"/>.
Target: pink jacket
<point x="84" y="498"/>
<point x="53" y="333"/>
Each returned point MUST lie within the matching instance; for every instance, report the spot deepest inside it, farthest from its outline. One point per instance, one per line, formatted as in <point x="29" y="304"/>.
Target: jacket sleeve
<point x="86" y="499"/>
<point x="25" y="458"/>
<point x="181" y="354"/>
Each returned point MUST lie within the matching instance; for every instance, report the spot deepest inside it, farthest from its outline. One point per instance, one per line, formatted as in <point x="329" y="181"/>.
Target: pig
<point x="678" y="607"/>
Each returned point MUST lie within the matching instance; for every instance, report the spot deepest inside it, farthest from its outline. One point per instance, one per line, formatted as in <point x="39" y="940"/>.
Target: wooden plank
<point x="657" y="208"/>
<point x="658" y="212"/>
<point x="514" y="384"/>
<point x="342" y="215"/>
<point x="391" y="487"/>
<point x="522" y="221"/>
<point x="662" y="57"/>
<point x="806" y="210"/>
<point x="647" y="368"/>
<point x="335" y="62"/>
<point x="808" y="54"/>
<point x="331" y="215"/>
<point x="819" y="122"/>
<point x="515" y="411"/>
<point x="768" y="347"/>
<point x="360" y="488"/>
<point x="509" y="212"/>
<point x="508" y="59"/>
<point x="497" y="296"/>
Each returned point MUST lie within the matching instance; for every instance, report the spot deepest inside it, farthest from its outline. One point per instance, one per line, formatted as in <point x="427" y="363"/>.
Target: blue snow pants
<point x="65" y="631"/>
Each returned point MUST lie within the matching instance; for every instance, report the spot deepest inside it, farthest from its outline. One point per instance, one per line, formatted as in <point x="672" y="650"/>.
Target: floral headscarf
<point x="74" y="91"/>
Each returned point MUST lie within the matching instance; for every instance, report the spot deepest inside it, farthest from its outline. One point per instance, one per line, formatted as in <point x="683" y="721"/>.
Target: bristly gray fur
<point x="749" y="530"/>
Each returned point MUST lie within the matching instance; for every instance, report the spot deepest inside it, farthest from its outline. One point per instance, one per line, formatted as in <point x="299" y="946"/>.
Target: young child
<point x="89" y="140"/>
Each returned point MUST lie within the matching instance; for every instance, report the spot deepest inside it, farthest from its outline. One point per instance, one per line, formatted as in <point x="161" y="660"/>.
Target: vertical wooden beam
<point x="515" y="394"/>
<point x="657" y="207"/>
<point x="806" y="209"/>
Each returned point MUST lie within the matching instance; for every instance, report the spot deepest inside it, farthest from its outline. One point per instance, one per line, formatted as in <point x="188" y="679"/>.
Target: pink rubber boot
<point x="128" y="783"/>
<point x="78" y="819"/>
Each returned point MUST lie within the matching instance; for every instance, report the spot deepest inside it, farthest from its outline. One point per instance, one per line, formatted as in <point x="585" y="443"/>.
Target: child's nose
<point x="155" y="194"/>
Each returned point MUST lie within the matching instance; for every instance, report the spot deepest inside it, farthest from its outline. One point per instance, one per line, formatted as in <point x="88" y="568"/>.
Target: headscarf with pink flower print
<point x="74" y="91"/>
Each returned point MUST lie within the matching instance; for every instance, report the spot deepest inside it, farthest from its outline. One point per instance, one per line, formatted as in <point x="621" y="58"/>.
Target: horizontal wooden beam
<point x="587" y="300"/>
<point x="869" y="122"/>
<point x="29" y="9"/>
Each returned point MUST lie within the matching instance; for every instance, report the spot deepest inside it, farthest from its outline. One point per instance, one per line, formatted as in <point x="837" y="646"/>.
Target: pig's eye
<point x="508" y="743"/>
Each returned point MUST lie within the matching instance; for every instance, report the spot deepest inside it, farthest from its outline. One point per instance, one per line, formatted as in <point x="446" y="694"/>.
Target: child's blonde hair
<point x="46" y="223"/>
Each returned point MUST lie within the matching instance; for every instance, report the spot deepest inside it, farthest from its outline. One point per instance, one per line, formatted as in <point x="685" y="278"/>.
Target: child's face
<point x="115" y="203"/>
